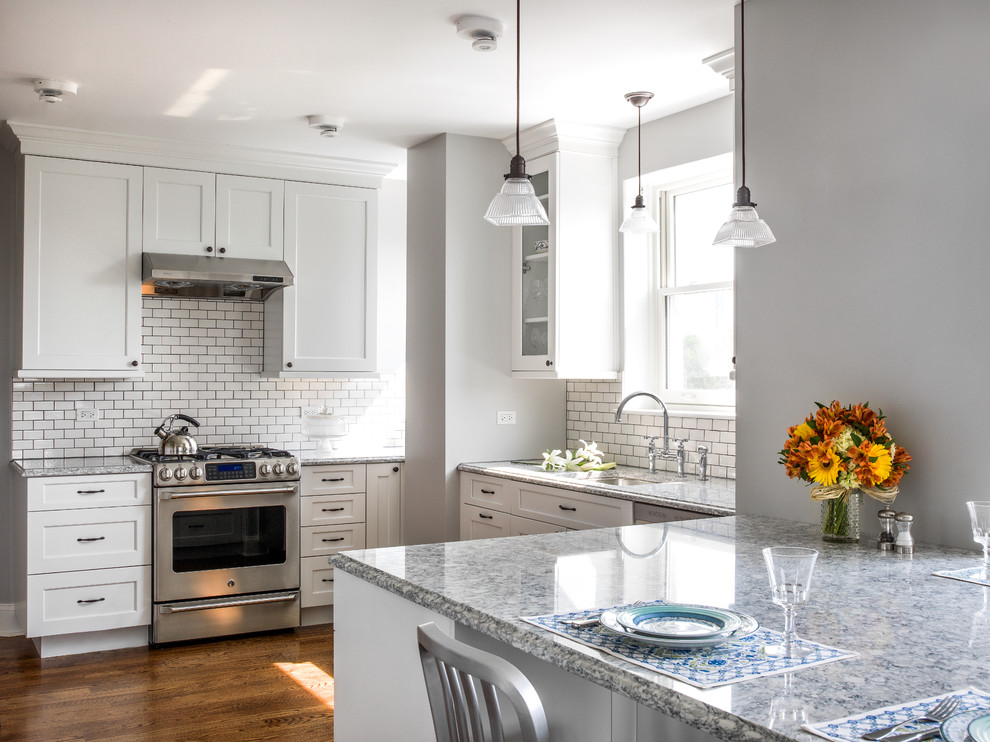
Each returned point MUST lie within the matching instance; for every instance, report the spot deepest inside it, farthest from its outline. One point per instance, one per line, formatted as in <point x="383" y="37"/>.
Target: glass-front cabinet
<point x="564" y="274"/>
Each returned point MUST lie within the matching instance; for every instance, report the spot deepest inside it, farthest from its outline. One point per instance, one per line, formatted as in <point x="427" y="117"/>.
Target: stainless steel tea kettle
<point x="176" y="442"/>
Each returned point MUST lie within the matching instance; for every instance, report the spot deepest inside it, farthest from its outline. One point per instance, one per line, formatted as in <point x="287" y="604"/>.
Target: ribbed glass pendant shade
<point x="744" y="227"/>
<point x="639" y="220"/>
<point x="516" y="205"/>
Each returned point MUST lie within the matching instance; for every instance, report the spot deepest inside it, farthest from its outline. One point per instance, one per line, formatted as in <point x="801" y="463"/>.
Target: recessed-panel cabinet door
<point x="249" y="217"/>
<point x="82" y="268"/>
<point x="179" y="211"/>
<point x="329" y="314"/>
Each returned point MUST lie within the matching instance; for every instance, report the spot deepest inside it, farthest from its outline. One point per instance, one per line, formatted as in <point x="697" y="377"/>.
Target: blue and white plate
<point x="979" y="728"/>
<point x="678" y="621"/>
<point x="956" y="728"/>
<point x="747" y="625"/>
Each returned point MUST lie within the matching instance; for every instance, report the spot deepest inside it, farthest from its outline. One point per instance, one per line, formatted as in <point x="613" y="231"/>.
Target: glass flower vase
<point x="840" y="517"/>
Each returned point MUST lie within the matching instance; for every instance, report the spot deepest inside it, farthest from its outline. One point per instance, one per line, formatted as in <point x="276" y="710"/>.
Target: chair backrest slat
<point x="452" y="669"/>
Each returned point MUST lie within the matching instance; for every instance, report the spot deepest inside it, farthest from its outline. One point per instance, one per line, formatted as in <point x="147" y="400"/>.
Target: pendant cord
<point x="742" y="85"/>
<point x="518" y="77"/>
<point x="639" y="149"/>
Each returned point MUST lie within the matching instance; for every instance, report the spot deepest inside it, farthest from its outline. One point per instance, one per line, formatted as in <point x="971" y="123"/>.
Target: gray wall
<point x="8" y="239"/>
<point x="458" y="335"/>
<point x="867" y="153"/>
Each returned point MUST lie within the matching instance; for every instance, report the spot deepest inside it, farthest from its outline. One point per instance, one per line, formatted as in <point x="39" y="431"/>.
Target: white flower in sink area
<point x="586" y="458"/>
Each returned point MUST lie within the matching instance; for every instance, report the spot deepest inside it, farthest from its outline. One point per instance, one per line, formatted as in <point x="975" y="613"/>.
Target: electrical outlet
<point x="310" y="411"/>
<point x="505" y="417"/>
<point x="89" y="413"/>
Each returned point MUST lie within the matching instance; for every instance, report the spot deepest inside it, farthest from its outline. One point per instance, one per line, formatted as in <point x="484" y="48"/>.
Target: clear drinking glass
<point x="979" y="517"/>
<point x="790" y="569"/>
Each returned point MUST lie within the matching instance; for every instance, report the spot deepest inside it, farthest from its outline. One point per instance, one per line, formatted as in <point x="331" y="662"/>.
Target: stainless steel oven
<point x="226" y="544"/>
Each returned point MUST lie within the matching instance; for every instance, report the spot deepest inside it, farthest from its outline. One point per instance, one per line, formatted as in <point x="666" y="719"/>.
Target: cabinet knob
<point x="395" y="469"/>
<point x="134" y="363"/>
<point x="549" y="363"/>
<point x="209" y="248"/>
<point x="289" y="364"/>
<point x="223" y="250"/>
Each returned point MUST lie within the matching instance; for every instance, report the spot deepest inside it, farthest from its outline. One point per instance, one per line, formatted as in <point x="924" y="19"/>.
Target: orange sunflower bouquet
<point x="841" y="450"/>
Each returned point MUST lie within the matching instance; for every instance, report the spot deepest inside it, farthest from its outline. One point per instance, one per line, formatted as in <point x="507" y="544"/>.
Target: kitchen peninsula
<point x="914" y="635"/>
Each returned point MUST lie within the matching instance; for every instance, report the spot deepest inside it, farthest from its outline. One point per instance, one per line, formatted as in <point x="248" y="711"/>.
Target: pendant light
<point x="639" y="220"/>
<point x="744" y="227"/>
<point x="516" y="205"/>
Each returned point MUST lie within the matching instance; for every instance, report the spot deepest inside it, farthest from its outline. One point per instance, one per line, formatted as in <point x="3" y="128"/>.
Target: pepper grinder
<point x="905" y="542"/>
<point x="886" y="540"/>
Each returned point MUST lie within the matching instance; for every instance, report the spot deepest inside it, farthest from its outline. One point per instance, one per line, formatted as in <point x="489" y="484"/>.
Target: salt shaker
<point x="905" y="542"/>
<point x="886" y="540"/>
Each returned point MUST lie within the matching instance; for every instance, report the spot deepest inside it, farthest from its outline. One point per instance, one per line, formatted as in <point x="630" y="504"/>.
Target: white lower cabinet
<point x="82" y="561"/>
<point x="342" y="506"/>
<point x="493" y="507"/>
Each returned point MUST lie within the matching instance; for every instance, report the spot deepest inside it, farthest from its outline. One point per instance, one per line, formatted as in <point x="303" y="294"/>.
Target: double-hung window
<point x="694" y="297"/>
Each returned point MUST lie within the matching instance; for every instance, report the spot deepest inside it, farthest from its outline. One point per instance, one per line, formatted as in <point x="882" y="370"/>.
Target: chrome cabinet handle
<point x="92" y="600"/>
<point x="331" y="510"/>
<point x="90" y="492"/>
<point x="95" y="538"/>
<point x="565" y="507"/>
<point x="331" y="540"/>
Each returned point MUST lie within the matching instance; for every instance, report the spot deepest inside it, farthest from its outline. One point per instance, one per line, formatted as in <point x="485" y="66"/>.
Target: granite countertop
<point x="916" y="635"/>
<point x="713" y="497"/>
<point x="81" y="466"/>
<point x="352" y="456"/>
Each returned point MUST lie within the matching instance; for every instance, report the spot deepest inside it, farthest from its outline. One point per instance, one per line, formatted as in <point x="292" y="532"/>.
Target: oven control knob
<point x="195" y="473"/>
<point x="180" y="473"/>
<point x="278" y="469"/>
<point x="164" y="474"/>
<point x="265" y="470"/>
<point x="292" y="469"/>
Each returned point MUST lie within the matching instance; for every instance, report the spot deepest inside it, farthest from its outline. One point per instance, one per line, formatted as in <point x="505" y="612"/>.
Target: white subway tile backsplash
<point x="203" y="358"/>
<point x="590" y="414"/>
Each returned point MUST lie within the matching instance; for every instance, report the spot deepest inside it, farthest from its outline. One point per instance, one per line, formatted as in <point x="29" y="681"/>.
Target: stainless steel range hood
<point x="196" y="276"/>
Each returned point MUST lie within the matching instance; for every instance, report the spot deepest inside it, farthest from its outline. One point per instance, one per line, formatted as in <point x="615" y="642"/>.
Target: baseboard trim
<point x="8" y="621"/>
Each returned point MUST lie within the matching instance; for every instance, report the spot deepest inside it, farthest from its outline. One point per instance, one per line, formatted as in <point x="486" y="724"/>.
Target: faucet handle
<point x="680" y="443"/>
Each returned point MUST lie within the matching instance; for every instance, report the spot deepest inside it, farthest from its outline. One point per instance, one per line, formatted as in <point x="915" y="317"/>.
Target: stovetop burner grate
<point x="211" y="453"/>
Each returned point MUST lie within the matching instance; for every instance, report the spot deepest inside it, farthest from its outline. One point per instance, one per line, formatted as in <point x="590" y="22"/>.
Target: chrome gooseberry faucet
<point x="652" y="451"/>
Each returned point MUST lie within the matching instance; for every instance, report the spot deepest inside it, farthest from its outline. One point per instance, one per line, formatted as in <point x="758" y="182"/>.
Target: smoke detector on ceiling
<point x="483" y="32"/>
<point x="328" y="126"/>
<point x="51" y="91"/>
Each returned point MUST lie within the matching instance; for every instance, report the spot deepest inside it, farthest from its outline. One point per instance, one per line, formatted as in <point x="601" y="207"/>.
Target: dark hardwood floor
<point x="259" y="687"/>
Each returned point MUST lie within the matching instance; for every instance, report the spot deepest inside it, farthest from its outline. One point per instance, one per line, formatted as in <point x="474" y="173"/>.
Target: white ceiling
<point x="248" y="72"/>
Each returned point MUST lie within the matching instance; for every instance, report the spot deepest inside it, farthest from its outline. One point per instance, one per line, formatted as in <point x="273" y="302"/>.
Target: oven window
<point x="221" y="539"/>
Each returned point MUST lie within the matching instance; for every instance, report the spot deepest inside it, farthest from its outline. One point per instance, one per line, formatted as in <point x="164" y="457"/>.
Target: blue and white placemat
<point x="852" y="728"/>
<point x="729" y="662"/>
<point x="970" y="574"/>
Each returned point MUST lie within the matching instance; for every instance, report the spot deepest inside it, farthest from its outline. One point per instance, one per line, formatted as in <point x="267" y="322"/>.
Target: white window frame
<point x="682" y="401"/>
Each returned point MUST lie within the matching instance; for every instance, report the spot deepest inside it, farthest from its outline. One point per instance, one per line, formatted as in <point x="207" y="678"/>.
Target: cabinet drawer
<point x="324" y="510"/>
<point x="97" y="538"/>
<point x="315" y="581"/>
<point x="317" y="540"/>
<point x="487" y="492"/>
<point x="572" y="509"/>
<point x="519" y="526"/>
<point x="337" y="479"/>
<point x="94" y="600"/>
<point x="479" y="523"/>
<point x="64" y="493"/>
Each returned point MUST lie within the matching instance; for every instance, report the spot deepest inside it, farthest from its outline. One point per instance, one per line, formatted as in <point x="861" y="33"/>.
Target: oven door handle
<point x="228" y="492"/>
<point x="284" y="598"/>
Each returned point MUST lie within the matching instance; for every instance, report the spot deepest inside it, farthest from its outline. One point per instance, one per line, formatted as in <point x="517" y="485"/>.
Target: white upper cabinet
<point x="195" y="213"/>
<point x="326" y="322"/>
<point x="563" y="280"/>
<point x="81" y="269"/>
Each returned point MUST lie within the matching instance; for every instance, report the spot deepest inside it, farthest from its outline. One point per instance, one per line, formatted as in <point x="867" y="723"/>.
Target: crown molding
<point x="724" y="63"/>
<point x="553" y="136"/>
<point x="79" y="144"/>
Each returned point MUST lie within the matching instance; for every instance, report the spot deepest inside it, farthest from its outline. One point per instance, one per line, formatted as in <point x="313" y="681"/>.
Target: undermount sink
<point x="624" y="481"/>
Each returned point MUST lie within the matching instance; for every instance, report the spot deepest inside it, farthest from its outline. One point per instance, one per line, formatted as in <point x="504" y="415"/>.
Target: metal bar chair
<point x="455" y="672"/>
